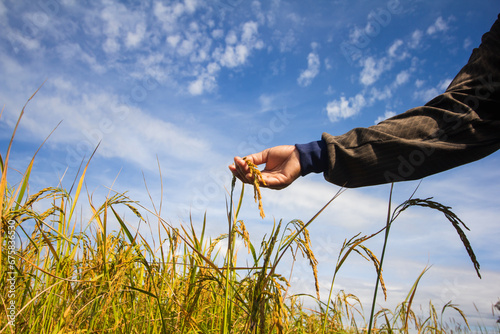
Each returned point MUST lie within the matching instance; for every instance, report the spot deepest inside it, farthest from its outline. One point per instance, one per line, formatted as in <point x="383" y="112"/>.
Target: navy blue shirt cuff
<point x="313" y="157"/>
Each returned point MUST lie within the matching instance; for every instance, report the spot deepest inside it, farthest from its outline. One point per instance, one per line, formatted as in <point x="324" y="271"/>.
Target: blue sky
<point x="189" y="84"/>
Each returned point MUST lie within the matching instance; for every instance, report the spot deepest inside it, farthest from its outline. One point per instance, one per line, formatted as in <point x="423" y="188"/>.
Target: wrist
<point x="313" y="157"/>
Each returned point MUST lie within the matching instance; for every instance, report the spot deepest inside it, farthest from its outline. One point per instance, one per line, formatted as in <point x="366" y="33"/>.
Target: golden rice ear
<point x="257" y="179"/>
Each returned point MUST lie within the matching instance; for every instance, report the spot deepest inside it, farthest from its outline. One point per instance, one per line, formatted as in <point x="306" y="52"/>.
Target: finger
<point x="233" y="170"/>
<point x="241" y="166"/>
<point x="236" y="173"/>
<point x="258" y="158"/>
<point x="242" y="170"/>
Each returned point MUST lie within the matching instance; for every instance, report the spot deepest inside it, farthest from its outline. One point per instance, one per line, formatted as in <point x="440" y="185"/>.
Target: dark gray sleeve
<point x="457" y="127"/>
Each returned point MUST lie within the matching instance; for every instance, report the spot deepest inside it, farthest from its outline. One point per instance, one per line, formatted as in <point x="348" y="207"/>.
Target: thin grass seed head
<point x="313" y="262"/>
<point x="304" y="245"/>
<point x="214" y="243"/>
<point x="376" y="263"/>
<point x="242" y="230"/>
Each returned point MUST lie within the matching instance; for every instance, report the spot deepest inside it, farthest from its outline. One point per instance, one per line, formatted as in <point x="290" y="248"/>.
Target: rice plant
<point x="75" y="275"/>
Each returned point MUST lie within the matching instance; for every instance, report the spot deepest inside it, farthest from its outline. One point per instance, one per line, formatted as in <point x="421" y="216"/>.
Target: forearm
<point x="421" y="142"/>
<point x="460" y="126"/>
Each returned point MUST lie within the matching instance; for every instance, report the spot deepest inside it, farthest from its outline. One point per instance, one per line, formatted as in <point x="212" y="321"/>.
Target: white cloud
<point x="467" y="44"/>
<point x="330" y="90"/>
<point x="357" y="36"/>
<point x="190" y="5"/>
<point x="397" y="51"/>
<point x="173" y="40"/>
<point x="313" y="64"/>
<point x="266" y="102"/>
<point x="196" y="87"/>
<point x="416" y="39"/>
<point x="377" y="94"/>
<point x="328" y="64"/>
<point x="151" y="65"/>
<point x="353" y="209"/>
<point x="402" y="78"/>
<point x="72" y="51"/>
<point x="274" y="11"/>
<point x="27" y="37"/>
<point x="121" y="26"/>
<point x="387" y="114"/>
<point x="394" y="47"/>
<point x="186" y="42"/>
<point x="373" y="69"/>
<point x="196" y="44"/>
<point x="443" y="85"/>
<point x="345" y="108"/>
<point x="217" y="33"/>
<point x="186" y="47"/>
<point x="286" y="41"/>
<point x="125" y="131"/>
<point x="231" y="38"/>
<point x="439" y="26"/>
<point x="111" y="45"/>
<point x="386" y="92"/>
<point x="428" y="93"/>
<point x="133" y="39"/>
<point x="206" y="81"/>
<point x="28" y="44"/>
<point x="233" y="56"/>
<point x="3" y="10"/>
<point x="168" y="15"/>
<point x="257" y="10"/>
<point x="62" y="84"/>
<point x="250" y="32"/>
<point x="237" y="52"/>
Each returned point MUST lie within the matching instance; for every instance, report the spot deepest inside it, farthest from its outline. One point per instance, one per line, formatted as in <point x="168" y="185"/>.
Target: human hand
<point x="282" y="166"/>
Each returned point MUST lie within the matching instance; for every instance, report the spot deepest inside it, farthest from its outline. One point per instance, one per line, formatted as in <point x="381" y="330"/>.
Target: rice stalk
<point x="257" y="180"/>
<point x="78" y="275"/>
<point x="379" y="271"/>
<point x="347" y="248"/>
<point x="452" y="218"/>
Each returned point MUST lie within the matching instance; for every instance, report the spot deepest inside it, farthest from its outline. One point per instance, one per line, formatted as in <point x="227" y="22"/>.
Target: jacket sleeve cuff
<point x="313" y="157"/>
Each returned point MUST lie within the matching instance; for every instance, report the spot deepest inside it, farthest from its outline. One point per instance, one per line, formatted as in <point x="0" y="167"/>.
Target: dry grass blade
<point x="3" y="181"/>
<point x="80" y="183"/>
<point x="410" y="297"/>
<point x="455" y="307"/>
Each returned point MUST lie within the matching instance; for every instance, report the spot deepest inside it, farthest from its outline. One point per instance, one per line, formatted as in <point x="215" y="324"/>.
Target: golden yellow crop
<point x="257" y="180"/>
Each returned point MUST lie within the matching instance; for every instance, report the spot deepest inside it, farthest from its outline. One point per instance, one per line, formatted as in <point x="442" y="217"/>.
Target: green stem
<point x="379" y="272"/>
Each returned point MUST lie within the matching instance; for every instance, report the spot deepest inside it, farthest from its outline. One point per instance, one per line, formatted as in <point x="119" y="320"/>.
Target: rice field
<point x="68" y="274"/>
